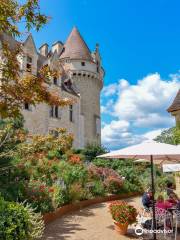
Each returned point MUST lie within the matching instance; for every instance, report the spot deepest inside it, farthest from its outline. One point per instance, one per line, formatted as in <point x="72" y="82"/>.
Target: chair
<point x="177" y="219"/>
<point x="144" y="214"/>
<point x="162" y="217"/>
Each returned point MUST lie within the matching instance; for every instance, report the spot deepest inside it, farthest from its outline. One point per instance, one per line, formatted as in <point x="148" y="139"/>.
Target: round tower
<point x="85" y="71"/>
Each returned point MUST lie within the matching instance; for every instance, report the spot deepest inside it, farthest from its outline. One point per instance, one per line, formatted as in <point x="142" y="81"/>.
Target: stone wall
<point x="177" y="117"/>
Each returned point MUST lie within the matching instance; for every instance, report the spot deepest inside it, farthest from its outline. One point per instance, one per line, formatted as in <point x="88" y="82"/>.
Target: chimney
<point x="44" y="49"/>
<point x="57" y="46"/>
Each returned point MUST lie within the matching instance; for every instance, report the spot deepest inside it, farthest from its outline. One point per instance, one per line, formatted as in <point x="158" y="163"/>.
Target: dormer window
<point x="83" y="64"/>
<point x="29" y="64"/>
<point x="55" y="81"/>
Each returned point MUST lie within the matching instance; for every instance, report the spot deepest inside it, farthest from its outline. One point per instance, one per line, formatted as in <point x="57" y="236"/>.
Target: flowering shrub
<point x="102" y="172"/>
<point x="95" y="172"/>
<point x="75" y="159"/>
<point x="111" y="179"/>
<point x="122" y="212"/>
<point x="40" y="196"/>
<point x="113" y="184"/>
<point x="77" y="193"/>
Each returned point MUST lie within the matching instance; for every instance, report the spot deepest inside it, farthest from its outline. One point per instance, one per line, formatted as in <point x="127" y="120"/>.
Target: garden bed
<point x="49" y="217"/>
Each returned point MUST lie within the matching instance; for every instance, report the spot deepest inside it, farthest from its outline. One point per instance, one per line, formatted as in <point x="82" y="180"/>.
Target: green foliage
<point x="40" y="196"/>
<point x="113" y="184"/>
<point x="54" y="154"/>
<point x="170" y="136"/>
<point x="72" y="173"/>
<point x="125" y="168"/>
<point x="97" y="188"/>
<point x="19" y="222"/>
<point x="162" y="181"/>
<point x="93" y="150"/>
<point x="11" y="135"/>
<point x="77" y="193"/>
<point x="60" y="196"/>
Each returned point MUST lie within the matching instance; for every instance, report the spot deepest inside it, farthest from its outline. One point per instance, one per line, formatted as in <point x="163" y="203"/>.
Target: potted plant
<point x="123" y="214"/>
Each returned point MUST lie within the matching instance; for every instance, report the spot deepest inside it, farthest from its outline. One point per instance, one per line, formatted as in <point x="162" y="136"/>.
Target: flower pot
<point x="121" y="228"/>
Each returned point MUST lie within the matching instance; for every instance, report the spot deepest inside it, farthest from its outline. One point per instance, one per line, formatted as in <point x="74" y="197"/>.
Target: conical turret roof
<point x="75" y="47"/>
<point x="176" y="103"/>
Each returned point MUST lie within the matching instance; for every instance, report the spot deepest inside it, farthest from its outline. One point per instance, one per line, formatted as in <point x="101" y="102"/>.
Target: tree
<point x="170" y="136"/>
<point x="15" y="88"/>
<point x="91" y="151"/>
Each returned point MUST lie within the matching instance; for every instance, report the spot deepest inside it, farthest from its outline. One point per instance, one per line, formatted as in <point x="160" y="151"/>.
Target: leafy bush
<point x="162" y="181"/>
<point x="40" y="196"/>
<point x="91" y="151"/>
<point x="170" y="136"/>
<point x="19" y="222"/>
<point x="72" y="173"/>
<point x="125" y="168"/>
<point x="113" y="184"/>
<point x="77" y="193"/>
<point x="54" y="154"/>
<point x="97" y="188"/>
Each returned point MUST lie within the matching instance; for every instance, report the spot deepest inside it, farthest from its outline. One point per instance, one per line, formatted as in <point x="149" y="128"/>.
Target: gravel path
<point x="91" y="223"/>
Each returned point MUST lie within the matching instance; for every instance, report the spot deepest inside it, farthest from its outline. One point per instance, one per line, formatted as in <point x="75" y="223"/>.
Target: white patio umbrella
<point x="151" y="151"/>
<point x="171" y="168"/>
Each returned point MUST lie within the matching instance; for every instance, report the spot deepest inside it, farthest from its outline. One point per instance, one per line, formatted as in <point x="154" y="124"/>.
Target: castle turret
<point x="85" y="71"/>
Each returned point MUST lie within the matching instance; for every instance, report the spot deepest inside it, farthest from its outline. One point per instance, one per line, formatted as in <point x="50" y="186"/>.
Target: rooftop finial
<point x="97" y="47"/>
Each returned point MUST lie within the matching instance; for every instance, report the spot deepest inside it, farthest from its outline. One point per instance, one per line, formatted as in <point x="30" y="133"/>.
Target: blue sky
<point x="139" y="40"/>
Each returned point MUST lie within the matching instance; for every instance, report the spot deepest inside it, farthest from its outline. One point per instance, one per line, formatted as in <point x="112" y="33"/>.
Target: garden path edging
<point x="49" y="217"/>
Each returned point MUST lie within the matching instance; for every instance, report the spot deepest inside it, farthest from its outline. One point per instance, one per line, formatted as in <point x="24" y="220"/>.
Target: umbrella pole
<point x="153" y="193"/>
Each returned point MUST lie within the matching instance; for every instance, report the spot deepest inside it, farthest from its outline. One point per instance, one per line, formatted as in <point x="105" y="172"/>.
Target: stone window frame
<point x="55" y="112"/>
<point x="71" y="113"/>
<point x="27" y="106"/>
<point x="29" y="61"/>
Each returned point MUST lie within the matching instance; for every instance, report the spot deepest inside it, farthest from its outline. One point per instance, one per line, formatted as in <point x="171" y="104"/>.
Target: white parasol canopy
<point x="171" y="167"/>
<point x="159" y="151"/>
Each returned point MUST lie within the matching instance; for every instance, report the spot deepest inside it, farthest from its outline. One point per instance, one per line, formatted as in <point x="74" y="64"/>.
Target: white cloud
<point x="108" y="107"/>
<point x="138" y="111"/>
<point x="117" y="133"/>
<point x="153" y="134"/>
<point x="110" y="90"/>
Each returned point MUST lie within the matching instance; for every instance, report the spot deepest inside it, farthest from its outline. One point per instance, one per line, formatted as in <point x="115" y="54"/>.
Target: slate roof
<point x="176" y="103"/>
<point x="75" y="47"/>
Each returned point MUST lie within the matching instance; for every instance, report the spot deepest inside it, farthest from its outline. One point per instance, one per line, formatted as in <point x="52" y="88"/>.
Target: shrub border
<point x="59" y="212"/>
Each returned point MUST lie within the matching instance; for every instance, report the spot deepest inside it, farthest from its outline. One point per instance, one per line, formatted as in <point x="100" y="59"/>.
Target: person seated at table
<point x="162" y="204"/>
<point x="147" y="199"/>
<point x="170" y="191"/>
<point x="172" y="199"/>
